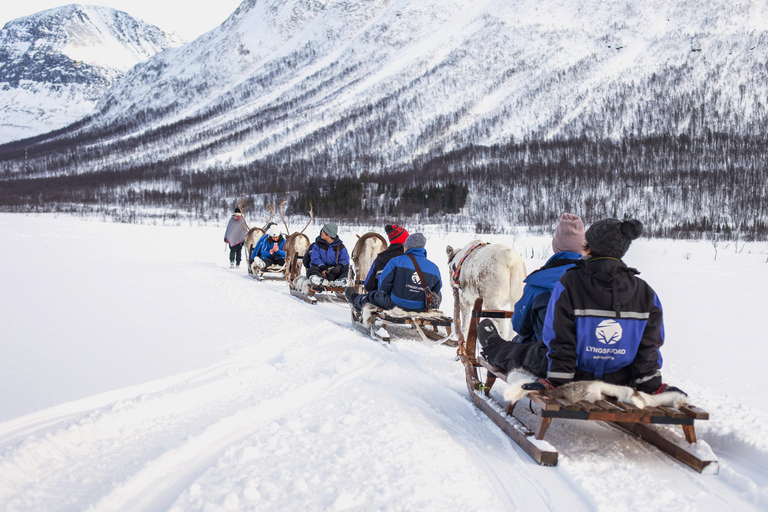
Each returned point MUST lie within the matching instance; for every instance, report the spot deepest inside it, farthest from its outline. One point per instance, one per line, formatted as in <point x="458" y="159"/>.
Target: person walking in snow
<point x="329" y="259"/>
<point x="235" y="237"/>
<point x="397" y="236"/>
<point x="269" y="248"/>
<point x="602" y="322"/>
<point x="400" y="284"/>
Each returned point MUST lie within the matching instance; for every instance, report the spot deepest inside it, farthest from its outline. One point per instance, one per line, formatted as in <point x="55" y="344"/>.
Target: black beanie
<point x="611" y="237"/>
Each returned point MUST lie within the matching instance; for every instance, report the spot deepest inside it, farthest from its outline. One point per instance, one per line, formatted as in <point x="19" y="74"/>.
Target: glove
<point x="666" y="388"/>
<point x="539" y="385"/>
<point x="226" y="241"/>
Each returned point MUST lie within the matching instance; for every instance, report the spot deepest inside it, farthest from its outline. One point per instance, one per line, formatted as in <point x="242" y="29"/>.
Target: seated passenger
<point x="399" y="283"/>
<point x="529" y="312"/>
<point x="397" y="236"/>
<point x="329" y="259"/>
<point x="602" y="322"/>
<point x="269" y="248"/>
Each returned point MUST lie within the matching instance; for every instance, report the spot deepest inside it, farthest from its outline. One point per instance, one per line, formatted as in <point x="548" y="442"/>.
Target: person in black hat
<point x="602" y="322"/>
<point x="397" y="236"/>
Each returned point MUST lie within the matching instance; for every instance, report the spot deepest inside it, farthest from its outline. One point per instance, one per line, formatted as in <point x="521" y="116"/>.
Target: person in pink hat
<point x="528" y="319"/>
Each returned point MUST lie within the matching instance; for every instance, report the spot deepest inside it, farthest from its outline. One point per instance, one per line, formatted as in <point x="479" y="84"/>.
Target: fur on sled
<point x="593" y="391"/>
<point x="301" y="284"/>
<point x="369" y="311"/>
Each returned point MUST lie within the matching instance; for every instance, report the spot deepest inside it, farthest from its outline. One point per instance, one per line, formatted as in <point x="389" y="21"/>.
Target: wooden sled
<point x="639" y="422"/>
<point x="428" y="327"/>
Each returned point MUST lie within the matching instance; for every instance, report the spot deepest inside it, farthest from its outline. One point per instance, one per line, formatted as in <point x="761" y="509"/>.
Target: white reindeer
<point x="366" y="249"/>
<point x="494" y="272"/>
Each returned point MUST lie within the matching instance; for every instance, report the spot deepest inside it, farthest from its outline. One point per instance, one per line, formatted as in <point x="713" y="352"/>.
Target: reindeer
<point x="295" y="246"/>
<point x="494" y="272"/>
<point x="366" y="249"/>
<point x="253" y="236"/>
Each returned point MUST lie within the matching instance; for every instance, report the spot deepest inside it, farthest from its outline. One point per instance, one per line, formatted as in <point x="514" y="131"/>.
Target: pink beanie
<point x="569" y="234"/>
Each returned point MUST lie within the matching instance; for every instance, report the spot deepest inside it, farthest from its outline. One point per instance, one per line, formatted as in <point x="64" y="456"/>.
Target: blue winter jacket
<point x="401" y="281"/>
<point x="528" y="318"/>
<point x="263" y="246"/>
<point x="324" y="254"/>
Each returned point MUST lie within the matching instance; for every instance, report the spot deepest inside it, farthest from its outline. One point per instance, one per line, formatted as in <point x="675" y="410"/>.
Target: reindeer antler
<point x="310" y="217"/>
<point x="287" y="231"/>
<point x="242" y="210"/>
<point x="271" y="210"/>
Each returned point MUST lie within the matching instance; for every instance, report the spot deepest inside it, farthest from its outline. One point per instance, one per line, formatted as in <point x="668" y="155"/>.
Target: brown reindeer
<point x="295" y="246"/>
<point x="366" y="249"/>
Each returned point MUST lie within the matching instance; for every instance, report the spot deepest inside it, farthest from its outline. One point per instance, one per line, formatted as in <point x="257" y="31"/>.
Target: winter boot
<point x="231" y="264"/>
<point x="487" y="334"/>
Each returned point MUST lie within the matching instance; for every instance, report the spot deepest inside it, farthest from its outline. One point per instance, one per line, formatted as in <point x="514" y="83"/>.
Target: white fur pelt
<point x="257" y="265"/>
<point x="594" y="391"/>
<point x="369" y="311"/>
<point x="494" y="272"/>
<point x="301" y="284"/>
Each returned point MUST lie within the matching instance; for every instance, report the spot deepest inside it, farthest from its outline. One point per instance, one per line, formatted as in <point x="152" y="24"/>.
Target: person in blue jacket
<point x="269" y="248"/>
<point x="329" y="260"/>
<point x="399" y="282"/>
<point x="568" y="246"/>
<point x="602" y="321"/>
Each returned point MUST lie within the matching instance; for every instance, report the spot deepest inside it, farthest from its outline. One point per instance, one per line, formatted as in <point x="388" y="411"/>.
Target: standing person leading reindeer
<point x="235" y="237"/>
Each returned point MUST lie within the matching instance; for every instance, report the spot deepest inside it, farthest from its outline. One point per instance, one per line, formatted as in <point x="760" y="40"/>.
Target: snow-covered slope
<point x="138" y="377"/>
<point x="56" y="64"/>
<point x="391" y="79"/>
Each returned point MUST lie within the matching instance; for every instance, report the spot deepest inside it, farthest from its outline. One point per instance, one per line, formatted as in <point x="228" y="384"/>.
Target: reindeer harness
<point x="457" y="269"/>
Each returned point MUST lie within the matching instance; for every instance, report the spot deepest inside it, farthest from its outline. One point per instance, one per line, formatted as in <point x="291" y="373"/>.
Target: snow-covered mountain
<point x="286" y="91"/>
<point x="56" y="64"/>
<point x="390" y="79"/>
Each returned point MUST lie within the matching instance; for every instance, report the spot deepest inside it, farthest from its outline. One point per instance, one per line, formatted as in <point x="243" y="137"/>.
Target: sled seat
<point x="627" y="417"/>
<point x="271" y="273"/>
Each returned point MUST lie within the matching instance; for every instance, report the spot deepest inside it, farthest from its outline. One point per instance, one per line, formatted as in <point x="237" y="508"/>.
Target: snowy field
<point x="139" y="373"/>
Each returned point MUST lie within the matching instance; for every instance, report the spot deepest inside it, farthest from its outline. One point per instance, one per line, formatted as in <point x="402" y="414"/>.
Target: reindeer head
<point x="451" y="252"/>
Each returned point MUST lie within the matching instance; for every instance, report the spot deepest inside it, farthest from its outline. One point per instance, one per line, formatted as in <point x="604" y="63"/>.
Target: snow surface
<point x="140" y="373"/>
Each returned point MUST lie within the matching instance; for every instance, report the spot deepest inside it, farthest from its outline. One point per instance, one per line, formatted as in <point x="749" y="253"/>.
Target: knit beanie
<point x="397" y="234"/>
<point x="415" y="240"/>
<point x="237" y="210"/>
<point x="569" y="234"/>
<point x="331" y="229"/>
<point x="611" y="237"/>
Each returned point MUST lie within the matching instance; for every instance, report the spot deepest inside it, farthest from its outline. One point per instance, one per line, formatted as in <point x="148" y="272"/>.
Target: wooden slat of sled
<point x="492" y="313"/>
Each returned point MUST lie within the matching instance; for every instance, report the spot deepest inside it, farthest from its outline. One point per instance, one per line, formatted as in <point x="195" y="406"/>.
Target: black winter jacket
<point x="372" y="280"/>
<point x="603" y="322"/>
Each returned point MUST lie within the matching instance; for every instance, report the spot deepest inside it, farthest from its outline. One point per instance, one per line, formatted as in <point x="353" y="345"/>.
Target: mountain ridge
<point x="56" y="64"/>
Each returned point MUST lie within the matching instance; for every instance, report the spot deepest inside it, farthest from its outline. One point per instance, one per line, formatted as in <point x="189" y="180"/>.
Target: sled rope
<point x="457" y="271"/>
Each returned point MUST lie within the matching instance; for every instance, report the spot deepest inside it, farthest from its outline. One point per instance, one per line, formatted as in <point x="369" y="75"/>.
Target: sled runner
<point x="374" y="322"/>
<point x="648" y="423"/>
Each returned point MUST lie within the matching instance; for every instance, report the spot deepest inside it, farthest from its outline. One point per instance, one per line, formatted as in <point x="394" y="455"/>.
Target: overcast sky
<point x="188" y="18"/>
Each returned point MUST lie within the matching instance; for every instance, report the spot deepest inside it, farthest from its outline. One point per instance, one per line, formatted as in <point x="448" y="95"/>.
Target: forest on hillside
<point x="714" y="186"/>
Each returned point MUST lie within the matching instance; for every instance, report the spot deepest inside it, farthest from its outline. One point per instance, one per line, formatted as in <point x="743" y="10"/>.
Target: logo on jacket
<point x="415" y="278"/>
<point x="608" y="332"/>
